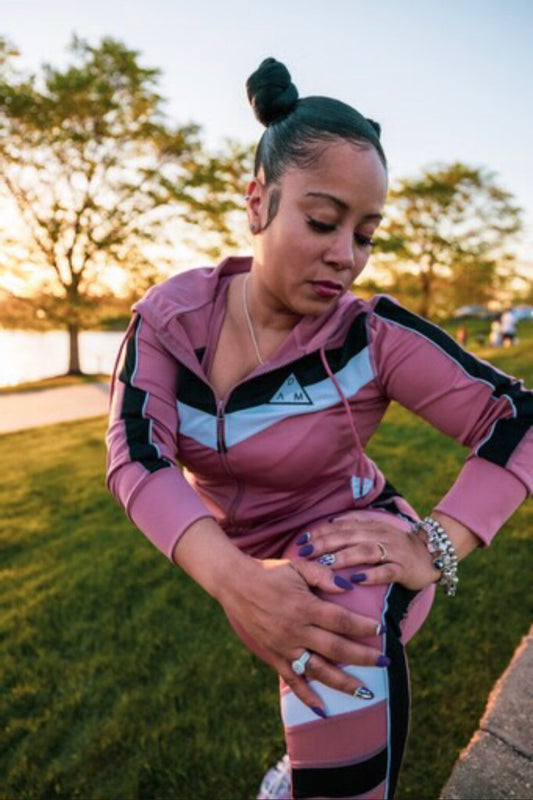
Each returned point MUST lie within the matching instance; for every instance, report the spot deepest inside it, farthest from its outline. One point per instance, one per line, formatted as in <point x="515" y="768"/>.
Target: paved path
<point x="498" y="762"/>
<point x="22" y="410"/>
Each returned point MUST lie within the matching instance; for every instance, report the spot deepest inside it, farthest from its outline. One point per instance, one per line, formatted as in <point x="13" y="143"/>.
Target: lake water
<point x="31" y="355"/>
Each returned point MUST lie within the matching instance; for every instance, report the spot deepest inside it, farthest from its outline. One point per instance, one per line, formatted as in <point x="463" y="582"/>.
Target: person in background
<point x="265" y="378"/>
<point x="508" y="327"/>
<point x="462" y="335"/>
<point x="495" y="336"/>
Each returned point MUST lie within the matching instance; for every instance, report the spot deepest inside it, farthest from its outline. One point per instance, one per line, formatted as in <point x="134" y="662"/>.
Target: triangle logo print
<point x="290" y="393"/>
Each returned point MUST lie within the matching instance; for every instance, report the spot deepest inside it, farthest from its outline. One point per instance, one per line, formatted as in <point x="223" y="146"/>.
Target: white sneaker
<point x="276" y="785"/>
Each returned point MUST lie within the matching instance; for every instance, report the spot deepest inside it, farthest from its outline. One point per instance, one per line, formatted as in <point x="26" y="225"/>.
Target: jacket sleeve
<point x="468" y="399"/>
<point x="141" y="470"/>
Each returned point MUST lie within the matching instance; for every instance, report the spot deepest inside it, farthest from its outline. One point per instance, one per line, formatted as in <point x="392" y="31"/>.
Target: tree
<point x="98" y="176"/>
<point x="445" y="238"/>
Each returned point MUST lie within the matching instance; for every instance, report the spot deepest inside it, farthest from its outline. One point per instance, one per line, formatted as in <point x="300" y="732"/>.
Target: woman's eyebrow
<point x="340" y="203"/>
<point x="325" y="195"/>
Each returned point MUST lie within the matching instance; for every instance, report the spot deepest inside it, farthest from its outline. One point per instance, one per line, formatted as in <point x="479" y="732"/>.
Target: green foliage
<point x="121" y="678"/>
<point x="109" y="311"/>
<point x="99" y="176"/>
<point x="445" y="237"/>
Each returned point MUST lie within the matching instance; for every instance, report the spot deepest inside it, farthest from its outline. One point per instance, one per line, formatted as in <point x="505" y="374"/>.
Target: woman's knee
<point x="374" y="601"/>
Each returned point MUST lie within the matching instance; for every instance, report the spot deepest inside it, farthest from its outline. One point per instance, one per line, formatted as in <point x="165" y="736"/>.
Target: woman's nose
<point x="341" y="254"/>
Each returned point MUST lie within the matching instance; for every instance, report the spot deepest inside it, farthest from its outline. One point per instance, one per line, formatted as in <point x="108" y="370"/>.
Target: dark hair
<point x="299" y="129"/>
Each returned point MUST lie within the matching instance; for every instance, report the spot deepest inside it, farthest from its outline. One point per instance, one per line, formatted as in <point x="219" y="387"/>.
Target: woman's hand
<point x="387" y="553"/>
<point x="271" y="602"/>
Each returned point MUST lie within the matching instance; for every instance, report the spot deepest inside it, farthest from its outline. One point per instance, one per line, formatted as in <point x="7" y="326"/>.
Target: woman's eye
<point x="324" y="227"/>
<point x="364" y="241"/>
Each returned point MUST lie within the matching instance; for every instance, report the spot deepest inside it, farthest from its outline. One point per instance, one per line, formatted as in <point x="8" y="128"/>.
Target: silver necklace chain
<point x="249" y="321"/>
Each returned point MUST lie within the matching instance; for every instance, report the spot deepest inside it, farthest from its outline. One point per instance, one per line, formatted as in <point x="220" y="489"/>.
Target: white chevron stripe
<point x="294" y="712"/>
<point x="241" y="425"/>
<point x="197" y="425"/>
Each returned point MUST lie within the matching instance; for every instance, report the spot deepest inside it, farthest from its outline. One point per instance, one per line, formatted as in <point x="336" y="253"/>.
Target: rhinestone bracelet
<point x="442" y="551"/>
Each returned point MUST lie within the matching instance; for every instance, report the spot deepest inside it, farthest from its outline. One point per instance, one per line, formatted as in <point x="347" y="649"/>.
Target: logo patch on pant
<point x="291" y="393"/>
<point x="356" y="486"/>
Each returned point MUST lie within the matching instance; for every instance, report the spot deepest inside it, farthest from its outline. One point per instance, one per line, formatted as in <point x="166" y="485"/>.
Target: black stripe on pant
<point x="356" y="779"/>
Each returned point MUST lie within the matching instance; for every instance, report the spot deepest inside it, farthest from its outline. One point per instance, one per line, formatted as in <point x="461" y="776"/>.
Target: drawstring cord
<point x="359" y="458"/>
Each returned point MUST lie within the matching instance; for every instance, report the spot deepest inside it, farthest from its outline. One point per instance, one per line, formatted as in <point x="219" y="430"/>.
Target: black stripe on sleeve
<point x="507" y="432"/>
<point x="348" y="781"/>
<point x="128" y="365"/>
<point x="138" y="431"/>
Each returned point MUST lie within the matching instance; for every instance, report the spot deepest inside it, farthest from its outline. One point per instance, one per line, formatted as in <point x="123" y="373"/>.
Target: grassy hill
<point x="121" y="680"/>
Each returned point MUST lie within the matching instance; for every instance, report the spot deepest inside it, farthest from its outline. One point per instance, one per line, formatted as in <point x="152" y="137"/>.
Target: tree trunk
<point x="74" y="354"/>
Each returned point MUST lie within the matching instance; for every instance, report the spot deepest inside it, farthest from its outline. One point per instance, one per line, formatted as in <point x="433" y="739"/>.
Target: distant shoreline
<point x="55" y="382"/>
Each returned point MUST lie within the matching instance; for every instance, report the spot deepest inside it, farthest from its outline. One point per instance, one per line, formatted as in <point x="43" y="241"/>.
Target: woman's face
<point x="321" y="236"/>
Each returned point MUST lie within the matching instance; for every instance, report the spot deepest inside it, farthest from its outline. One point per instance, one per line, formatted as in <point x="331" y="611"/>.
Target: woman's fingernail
<point x="319" y="712"/>
<point x="327" y="558"/>
<point x="306" y="551"/>
<point x="304" y="538"/>
<point x="358" y="577"/>
<point x="380" y="629"/>
<point x="383" y="661"/>
<point x="342" y="582"/>
<point x="363" y="693"/>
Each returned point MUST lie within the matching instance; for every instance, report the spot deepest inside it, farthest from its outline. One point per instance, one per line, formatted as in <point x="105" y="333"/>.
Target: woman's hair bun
<point x="271" y="92"/>
<point x="375" y="125"/>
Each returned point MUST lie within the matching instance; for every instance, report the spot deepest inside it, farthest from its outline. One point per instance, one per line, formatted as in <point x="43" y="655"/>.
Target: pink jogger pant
<point x="357" y="751"/>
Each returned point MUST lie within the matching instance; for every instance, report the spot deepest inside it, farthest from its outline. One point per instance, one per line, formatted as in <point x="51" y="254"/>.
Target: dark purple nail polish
<point x="332" y="519"/>
<point x="358" y="577"/>
<point x="383" y="661"/>
<point x="344" y="584"/>
<point x="304" y="538"/>
<point x="319" y="712"/>
<point x="382" y="629"/>
<point x="306" y="551"/>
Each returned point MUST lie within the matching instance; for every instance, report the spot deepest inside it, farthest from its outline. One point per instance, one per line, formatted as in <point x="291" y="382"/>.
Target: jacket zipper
<point x="221" y="444"/>
<point x="222" y="449"/>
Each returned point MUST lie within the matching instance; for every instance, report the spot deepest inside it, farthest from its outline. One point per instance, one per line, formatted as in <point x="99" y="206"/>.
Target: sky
<point x="446" y="80"/>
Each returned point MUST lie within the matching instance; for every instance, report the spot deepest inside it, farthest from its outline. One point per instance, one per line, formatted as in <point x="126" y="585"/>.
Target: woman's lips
<point x="326" y="288"/>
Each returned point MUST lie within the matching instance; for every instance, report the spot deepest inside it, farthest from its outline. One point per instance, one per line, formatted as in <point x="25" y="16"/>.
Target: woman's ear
<point x="255" y="198"/>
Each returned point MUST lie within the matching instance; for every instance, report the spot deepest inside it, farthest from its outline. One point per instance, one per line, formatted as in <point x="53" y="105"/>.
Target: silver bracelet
<point x="442" y="551"/>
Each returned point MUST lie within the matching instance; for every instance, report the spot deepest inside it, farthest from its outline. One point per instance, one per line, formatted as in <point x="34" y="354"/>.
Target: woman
<point x="265" y="378"/>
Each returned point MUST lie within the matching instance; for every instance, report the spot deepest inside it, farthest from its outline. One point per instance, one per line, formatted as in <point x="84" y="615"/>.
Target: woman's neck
<point x="267" y="312"/>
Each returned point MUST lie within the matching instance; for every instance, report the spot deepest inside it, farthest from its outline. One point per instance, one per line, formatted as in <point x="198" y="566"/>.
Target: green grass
<point x="55" y="382"/>
<point x="122" y="680"/>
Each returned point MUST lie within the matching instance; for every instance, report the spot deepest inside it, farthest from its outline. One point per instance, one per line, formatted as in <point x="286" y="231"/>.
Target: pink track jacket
<point x="286" y="446"/>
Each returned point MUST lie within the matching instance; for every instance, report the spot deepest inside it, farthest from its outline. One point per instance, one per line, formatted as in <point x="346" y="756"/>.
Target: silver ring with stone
<point x="298" y="665"/>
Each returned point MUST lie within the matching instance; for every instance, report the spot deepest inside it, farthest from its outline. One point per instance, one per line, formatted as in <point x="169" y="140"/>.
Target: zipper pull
<point x="221" y="445"/>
